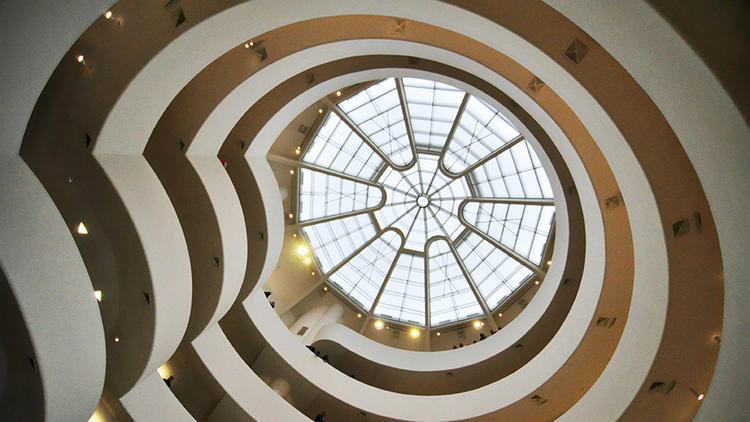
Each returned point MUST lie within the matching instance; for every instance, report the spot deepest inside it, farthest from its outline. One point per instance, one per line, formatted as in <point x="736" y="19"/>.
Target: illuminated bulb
<point x="82" y="228"/>
<point x="387" y="327"/>
<point x="163" y="371"/>
<point x="117" y="339"/>
<point x="359" y="315"/>
<point x="320" y="111"/>
<point x="297" y="151"/>
<point x="308" y="260"/>
<point x="549" y="263"/>
<point x="294" y="234"/>
<point x="477" y="324"/>
<point x="302" y="250"/>
<point x="414" y="333"/>
<point x="247" y="45"/>
<point x="108" y="15"/>
<point x="313" y="273"/>
<point x="291" y="171"/>
<point x="291" y="215"/>
<point x="378" y="325"/>
<point x="251" y="43"/>
<point x="325" y="288"/>
<point x="438" y="334"/>
<point x="338" y="93"/>
<point x="98" y="295"/>
<point x="79" y="59"/>
<point x="536" y="282"/>
<point x="500" y="315"/>
<point x="700" y="397"/>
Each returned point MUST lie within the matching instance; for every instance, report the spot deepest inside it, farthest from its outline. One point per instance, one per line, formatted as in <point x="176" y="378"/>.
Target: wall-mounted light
<point x="98" y="295"/>
<point x="308" y="260"/>
<point x="378" y="325"/>
<point x="438" y="334"/>
<point x="117" y="339"/>
<point x="291" y="215"/>
<point x="313" y="273"/>
<point x="414" y="333"/>
<point x="549" y="263"/>
<point x="80" y="58"/>
<point x="320" y="111"/>
<point x="108" y="14"/>
<point x="291" y="171"/>
<point x="302" y="250"/>
<point x="478" y="324"/>
<point x="697" y="395"/>
<point x="500" y="315"/>
<point x="325" y="288"/>
<point x="338" y="93"/>
<point x="536" y="282"/>
<point x="82" y="229"/>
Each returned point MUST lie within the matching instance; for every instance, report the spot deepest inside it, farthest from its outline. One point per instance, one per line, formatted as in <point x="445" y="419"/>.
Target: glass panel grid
<point x="480" y="131"/>
<point x="362" y="277"/>
<point x="451" y="298"/>
<point x="515" y="173"/>
<point x="323" y="195"/>
<point x="335" y="240"/>
<point x="338" y="148"/>
<point x="403" y="296"/>
<point x="496" y="274"/>
<point x="377" y="112"/>
<point x="432" y="109"/>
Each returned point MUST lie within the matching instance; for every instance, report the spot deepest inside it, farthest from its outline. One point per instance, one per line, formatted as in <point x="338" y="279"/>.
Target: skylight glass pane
<point x="335" y="240"/>
<point x="338" y="148"/>
<point x="517" y="226"/>
<point x="377" y="111"/>
<point x="496" y="274"/>
<point x="481" y="130"/>
<point x="515" y="173"/>
<point x="433" y="107"/>
<point x="323" y="195"/>
<point x="361" y="278"/>
<point x="451" y="298"/>
<point x="403" y="297"/>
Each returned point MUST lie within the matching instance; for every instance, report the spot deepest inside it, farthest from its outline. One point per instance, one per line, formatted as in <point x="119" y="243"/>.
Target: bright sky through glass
<point x="468" y="208"/>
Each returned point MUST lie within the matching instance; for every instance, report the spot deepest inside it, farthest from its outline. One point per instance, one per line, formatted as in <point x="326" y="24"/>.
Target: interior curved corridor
<point x="228" y="210"/>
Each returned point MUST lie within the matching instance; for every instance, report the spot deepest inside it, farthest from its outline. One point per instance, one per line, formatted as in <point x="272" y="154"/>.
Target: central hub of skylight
<point x="422" y="203"/>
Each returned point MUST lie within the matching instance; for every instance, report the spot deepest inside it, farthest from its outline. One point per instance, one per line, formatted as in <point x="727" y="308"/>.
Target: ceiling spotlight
<point x="247" y="45"/>
<point x="82" y="228"/>
<point x="294" y="234"/>
<point x="697" y="396"/>
<point x="302" y="250"/>
<point x="117" y="339"/>
<point x="414" y="333"/>
<point x="108" y="14"/>
<point x="320" y="111"/>
<point x="313" y="273"/>
<point x="297" y="151"/>
<point x="500" y="315"/>
<point x="308" y="260"/>
<point x="536" y="282"/>
<point x="700" y="397"/>
<point x="98" y="295"/>
<point x="359" y="315"/>
<point x="438" y="334"/>
<point x="291" y="171"/>
<point x="549" y="263"/>
<point x="80" y="58"/>
<point x="291" y="215"/>
<point x="387" y="327"/>
<point x="251" y="43"/>
<point x="378" y="325"/>
<point x="338" y="93"/>
<point x="325" y="288"/>
<point x="477" y="324"/>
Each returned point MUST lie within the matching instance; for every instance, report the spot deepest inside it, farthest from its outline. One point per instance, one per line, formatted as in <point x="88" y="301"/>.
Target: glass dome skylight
<point x="422" y="203"/>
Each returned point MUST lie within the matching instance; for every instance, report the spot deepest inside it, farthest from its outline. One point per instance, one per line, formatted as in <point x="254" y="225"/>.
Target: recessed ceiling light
<point x="414" y="333"/>
<point x="313" y="273"/>
<point x="108" y="14"/>
<point x="98" y="295"/>
<point x="308" y="260"/>
<point x="302" y="250"/>
<point x="378" y="325"/>
<point x="294" y="234"/>
<point x="82" y="228"/>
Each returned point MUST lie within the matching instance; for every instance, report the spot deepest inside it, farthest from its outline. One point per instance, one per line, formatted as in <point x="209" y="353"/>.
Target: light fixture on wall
<point x="82" y="229"/>
<point x="302" y="250"/>
<point x="478" y="324"/>
<point x="98" y="295"/>
<point x="378" y="325"/>
<point x="108" y="14"/>
<point x="414" y="333"/>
